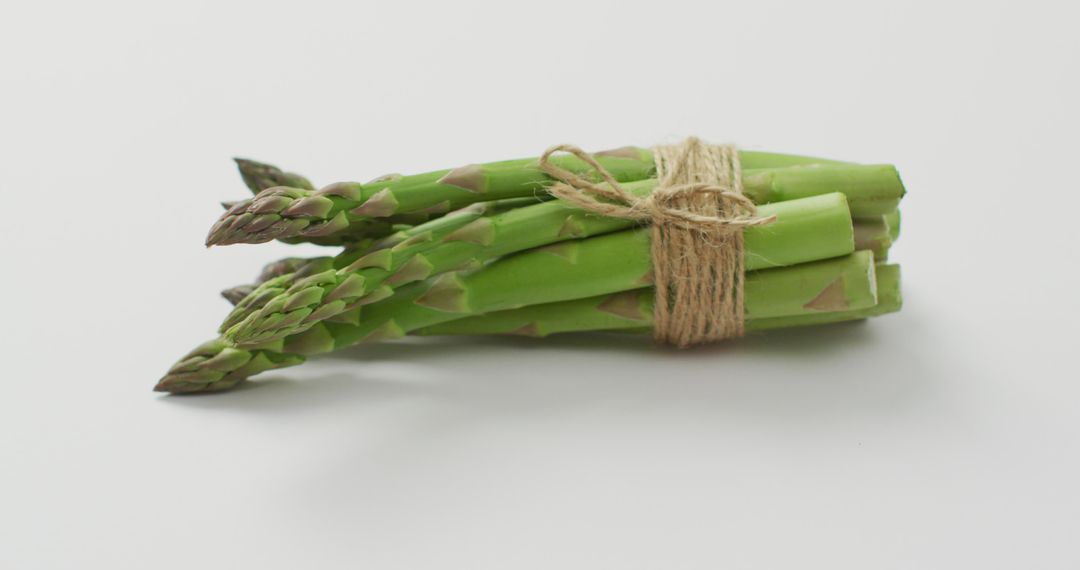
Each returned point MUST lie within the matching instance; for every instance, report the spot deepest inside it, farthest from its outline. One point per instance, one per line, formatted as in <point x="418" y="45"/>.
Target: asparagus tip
<point x="266" y="217"/>
<point x="259" y="176"/>
<point x="215" y="366"/>
<point x="236" y="294"/>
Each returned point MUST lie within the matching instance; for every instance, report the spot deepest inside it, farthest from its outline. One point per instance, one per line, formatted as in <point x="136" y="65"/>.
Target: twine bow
<point x="658" y="207"/>
<point x="697" y="211"/>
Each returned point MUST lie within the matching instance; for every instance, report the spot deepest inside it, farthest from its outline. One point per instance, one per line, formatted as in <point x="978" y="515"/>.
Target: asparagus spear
<point x="889" y="300"/>
<point x="872" y="190"/>
<point x="260" y="176"/>
<point x="596" y="266"/>
<point x="282" y="212"/>
<point x="286" y="212"/>
<point x="806" y="229"/>
<point x="893" y="219"/>
<point x="633" y="311"/>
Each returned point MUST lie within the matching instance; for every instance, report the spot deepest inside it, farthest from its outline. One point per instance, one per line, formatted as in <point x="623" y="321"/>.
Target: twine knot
<point x="697" y="212"/>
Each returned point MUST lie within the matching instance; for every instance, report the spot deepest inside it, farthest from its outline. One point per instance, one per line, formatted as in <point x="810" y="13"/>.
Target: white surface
<point x="942" y="437"/>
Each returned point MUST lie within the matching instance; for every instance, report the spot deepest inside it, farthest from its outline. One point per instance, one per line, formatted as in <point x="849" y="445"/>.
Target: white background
<point x="943" y="437"/>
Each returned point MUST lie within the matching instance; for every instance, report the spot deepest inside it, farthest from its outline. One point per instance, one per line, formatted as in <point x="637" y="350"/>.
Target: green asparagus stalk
<point x="889" y="300"/>
<point x="893" y="219"/>
<point x="633" y="311"/>
<point x="283" y="212"/>
<point x="248" y="222"/>
<point x="871" y="190"/>
<point x="809" y="228"/>
<point x="596" y="266"/>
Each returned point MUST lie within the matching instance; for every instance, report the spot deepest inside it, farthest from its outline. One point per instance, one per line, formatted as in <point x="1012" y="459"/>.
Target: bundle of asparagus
<point x="483" y="249"/>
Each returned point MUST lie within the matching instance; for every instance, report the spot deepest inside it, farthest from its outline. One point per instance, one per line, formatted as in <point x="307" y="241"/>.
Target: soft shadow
<point x="414" y="349"/>
<point x="842" y="368"/>
<point x="276" y="393"/>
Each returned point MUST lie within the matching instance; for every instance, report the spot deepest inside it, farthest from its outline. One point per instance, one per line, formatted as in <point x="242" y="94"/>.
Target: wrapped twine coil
<point x="697" y="214"/>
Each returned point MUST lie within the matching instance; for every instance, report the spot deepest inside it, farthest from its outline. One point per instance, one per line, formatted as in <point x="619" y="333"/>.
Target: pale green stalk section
<point x="260" y="176"/>
<point x="889" y="300"/>
<point x="872" y="190"/>
<point x="893" y="219"/>
<point x="633" y="310"/>
<point x="284" y="212"/>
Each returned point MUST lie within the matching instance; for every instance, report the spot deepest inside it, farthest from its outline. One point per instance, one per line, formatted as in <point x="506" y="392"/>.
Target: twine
<point x="698" y="213"/>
